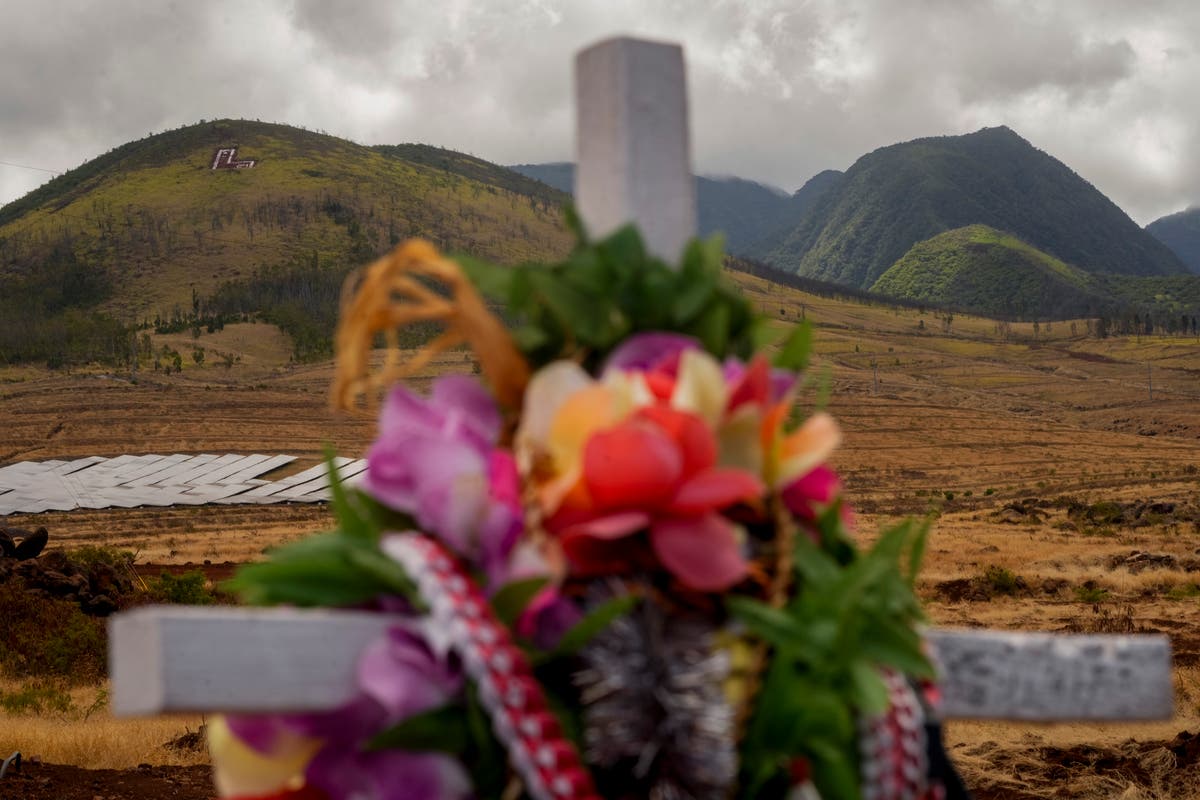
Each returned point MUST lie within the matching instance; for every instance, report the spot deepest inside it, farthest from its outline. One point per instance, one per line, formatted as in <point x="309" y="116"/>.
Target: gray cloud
<point x="780" y="89"/>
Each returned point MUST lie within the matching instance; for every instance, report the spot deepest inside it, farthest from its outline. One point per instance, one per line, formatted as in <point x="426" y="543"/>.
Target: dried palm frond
<point x="394" y="292"/>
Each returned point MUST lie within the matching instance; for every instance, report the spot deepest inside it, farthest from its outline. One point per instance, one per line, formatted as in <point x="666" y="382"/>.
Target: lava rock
<point x="31" y="546"/>
<point x="58" y="561"/>
<point x="106" y="580"/>
<point x="99" y="606"/>
<point x="55" y="583"/>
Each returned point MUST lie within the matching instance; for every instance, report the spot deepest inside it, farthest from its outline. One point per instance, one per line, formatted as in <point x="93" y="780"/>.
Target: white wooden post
<point x="633" y="165"/>
<point x="633" y="162"/>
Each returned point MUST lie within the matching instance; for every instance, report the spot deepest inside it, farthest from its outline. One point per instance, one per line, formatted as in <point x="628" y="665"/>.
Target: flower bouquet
<point x="618" y="560"/>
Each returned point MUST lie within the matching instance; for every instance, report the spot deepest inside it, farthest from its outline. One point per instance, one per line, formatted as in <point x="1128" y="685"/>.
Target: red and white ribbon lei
<point x="537" y="749"/>
<point x="894" y="748"/>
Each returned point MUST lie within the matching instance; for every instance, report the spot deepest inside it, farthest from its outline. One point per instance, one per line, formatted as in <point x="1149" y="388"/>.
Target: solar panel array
<point x="31" y="487"/>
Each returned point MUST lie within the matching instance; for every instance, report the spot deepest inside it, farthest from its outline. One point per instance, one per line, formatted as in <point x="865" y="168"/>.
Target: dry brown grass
<point x="965" y="412"/>
<point x="88" y="736"/>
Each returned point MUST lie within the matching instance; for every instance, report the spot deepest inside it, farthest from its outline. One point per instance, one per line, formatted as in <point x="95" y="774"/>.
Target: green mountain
<point x="745" y="211"/>
<point x="558" y="174"/>
<point x="811" y="193"/>
<point x="900" y="195"/>
<point x="991" y="272"/>
<point x="1181" y="233"/>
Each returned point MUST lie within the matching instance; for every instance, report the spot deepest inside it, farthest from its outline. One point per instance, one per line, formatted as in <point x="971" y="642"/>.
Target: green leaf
<point x="301" y="585"/>
<point x="759" y="750"/>
<point x="697" y="278"/>
<point x="813" y="564"/>
<point x="353" y="524"/>
<point x="806" y="711"/>
<point x="835" y="771"/>
<point x="867" y="687"/>
<point x="593" y="623"/>
<point x="891" y="542"/>
<point x="712" y="328"/>
<point x="513" y="598"/>
<point x="530" y="338"/>
<point x="899" y="647"/>
<point x="575" y="310"/>
<point x="442" y="730"/>
<point x="574" y="224"/>
<point x="917" y="553"/>
<point x="688" y="300"/>
<point x="647" y="301"/>
<point x="330" y="569"/>
<point x="328" y="544"/>
<point x="492" y="280"/>
<point x="796" y="350"/>
<point x="584" y="271"/>
<point x="520" y="291"/>
<point x="624" y="249"/>
<point x="386" y="572"/>
<point x="486" y="759"/>
<point x="382" y="517"/>
<point x="772" y="624"/>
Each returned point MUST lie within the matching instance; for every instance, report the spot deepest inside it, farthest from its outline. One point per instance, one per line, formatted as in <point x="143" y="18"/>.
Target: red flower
<point x="656" y="472"/>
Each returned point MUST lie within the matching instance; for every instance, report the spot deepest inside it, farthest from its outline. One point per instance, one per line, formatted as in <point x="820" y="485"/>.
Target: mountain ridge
<point x="905" y="193"/>
<point x="1180" y="232"/>
<point x="745" y="211"/>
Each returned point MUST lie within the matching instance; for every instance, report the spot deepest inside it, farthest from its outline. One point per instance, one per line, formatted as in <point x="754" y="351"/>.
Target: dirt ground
<point x="60" y="782"/>
<point x="1065" y="489"/>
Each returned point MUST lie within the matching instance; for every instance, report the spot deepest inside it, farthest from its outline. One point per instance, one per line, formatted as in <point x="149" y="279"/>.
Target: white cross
<point x="633" y="166"/>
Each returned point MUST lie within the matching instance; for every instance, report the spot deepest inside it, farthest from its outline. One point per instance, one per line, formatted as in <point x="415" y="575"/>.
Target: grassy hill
<point x="980" y="269"/>
<point x="900" y="195"/>
<point x="150" y="230"/>
<point x="1181" y="233"/>
<point x="991" y="272"/>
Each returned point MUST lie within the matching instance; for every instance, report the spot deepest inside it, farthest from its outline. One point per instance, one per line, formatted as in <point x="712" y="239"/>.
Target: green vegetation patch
<point x="992" y="272"/>
<point x="47" y="637"/>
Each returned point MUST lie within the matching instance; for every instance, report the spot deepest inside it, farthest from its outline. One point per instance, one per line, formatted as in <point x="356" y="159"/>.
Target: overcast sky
<point x="780" y="89"/>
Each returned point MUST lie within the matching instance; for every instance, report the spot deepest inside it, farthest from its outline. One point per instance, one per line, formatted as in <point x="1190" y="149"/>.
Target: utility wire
<point x="26" y="166"/>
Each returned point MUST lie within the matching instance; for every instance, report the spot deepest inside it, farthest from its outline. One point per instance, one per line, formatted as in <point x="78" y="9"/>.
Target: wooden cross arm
<point x="1051" y="676"/>
<point x="172" y="659"/>
<point x="166" y="659"/>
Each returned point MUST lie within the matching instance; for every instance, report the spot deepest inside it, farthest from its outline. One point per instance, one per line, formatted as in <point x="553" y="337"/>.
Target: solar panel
<point x="128" y="481"/>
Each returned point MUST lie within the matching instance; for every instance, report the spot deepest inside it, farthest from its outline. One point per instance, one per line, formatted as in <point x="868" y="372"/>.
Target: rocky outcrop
<point x="98" y="587"/>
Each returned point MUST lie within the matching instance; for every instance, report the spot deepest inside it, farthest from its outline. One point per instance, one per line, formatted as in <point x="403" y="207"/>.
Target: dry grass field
<point x="1066" y="495"/>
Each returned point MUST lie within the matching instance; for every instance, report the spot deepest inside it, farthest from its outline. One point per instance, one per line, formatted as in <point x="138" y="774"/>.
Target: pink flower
<point x="814" y="491"/>
<point x="647" y="352"/>
<point x="399" y="676"/>
<point x="436" y="459"/>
